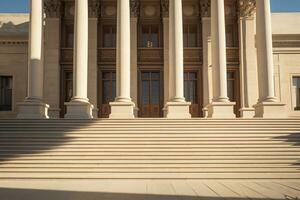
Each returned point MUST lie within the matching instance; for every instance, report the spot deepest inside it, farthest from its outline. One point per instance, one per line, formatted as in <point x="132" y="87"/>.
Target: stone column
<point x="220" y="107"/>
<point x="248" y="61"/>
<point x="123" y="107"/>
<point x="52" y="56"/>
<point x="176" y="107"/>
<point x="268" y="105"/>
<point x="79" y="107"/>
<point x="94" y="6"/>
<point x="33" y="106"/>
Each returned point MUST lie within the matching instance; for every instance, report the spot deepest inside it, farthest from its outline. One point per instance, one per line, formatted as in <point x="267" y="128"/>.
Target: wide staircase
<point x="150" y="149"/>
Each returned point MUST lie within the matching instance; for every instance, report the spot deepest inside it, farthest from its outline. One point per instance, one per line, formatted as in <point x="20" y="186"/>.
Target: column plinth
<point x="80" y="107"/>
<point x="268" y="105"/>
<point x="176" y="107"/>
<point x="33" y="106"/>
<point x="123" y="107"/>
<point x="220" y="107"/>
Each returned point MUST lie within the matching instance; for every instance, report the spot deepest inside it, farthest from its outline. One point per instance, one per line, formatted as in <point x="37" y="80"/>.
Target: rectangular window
<point x="190" y="35"/>
<point x="109" y="36"/>
<point x="150" y="36"/>
<point x="5" y="93"/>
<point x="296" y="93"/>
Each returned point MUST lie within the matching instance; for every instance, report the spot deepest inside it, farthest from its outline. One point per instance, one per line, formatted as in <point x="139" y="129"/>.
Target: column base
<point x="270" y="110"/>
<point x="54" y="113"/>
<point x="122" y="110"/>
<point x="79" y="110"/>
<point x="221" y="110"/>
<point x="177" y="110"/>
<point x="33" y="110"/>
<point x="205" y="112"/>
<point x="247" y="113"/>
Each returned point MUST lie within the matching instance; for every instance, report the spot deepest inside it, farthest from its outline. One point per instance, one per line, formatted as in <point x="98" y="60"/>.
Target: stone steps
<point x="150" y="149"/>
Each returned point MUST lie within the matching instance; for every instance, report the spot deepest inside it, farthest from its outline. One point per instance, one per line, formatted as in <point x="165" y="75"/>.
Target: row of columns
<point x="176" y="107"/>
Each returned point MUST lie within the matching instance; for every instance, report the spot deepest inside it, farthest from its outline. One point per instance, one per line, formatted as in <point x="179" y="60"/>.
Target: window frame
<point x="10" y="106"/>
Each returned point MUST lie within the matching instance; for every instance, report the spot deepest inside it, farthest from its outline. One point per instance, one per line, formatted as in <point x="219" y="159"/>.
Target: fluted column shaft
<point x="265" y="52"/>
<point x="219" y="51"/>
<point x="176" y="50"/>
<point x="35" y="65"/>
<point x="80" y="51"/>
<point x="123" y="51"/>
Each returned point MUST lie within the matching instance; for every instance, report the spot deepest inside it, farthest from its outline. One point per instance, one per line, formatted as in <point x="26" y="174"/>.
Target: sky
<point x="21" y="6"/>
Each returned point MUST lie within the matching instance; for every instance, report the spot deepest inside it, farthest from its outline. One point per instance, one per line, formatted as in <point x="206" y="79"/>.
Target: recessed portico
<point x="177" y="59"/>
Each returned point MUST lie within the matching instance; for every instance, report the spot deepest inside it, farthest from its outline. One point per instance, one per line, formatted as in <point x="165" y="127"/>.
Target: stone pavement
<point x="149" y="189"/>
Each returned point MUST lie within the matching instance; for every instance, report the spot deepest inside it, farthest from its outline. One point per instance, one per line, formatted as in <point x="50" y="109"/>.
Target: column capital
<point x="164" y="8"/>
<point x="52" y="8"/>
<point x="134" y="8"/>
<point x="205" y="8"/>
<point x="94" y="8"/>
<point x="247" y="8"/>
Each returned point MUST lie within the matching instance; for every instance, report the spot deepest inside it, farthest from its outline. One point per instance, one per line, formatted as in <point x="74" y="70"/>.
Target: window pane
<point x="69" y="90"/>
<point x="155" y="75"/>
<point x="109" y="36"/>
<point x="193" y="91"/>
<point x="69" y="36"/>
<point x="114" y="92"/>
<point x="113" y="74"/>
<point x="155" y="92"/>
<point x="106" y="75"/>
<point x="145" y="35"/>
<point x="5" y="93"/>
<point x="106" y="92"/>
<point x="145" y="92"/>
<point x="192" y="35"/>
<point x="145" y="75"/>
<point x="185" y="35"/>
<point x="296" y="93"/>
<point x="193" y="76"/>
<point x="186" y="90"/>
<point x="154" y="36"/>
<point x="230" y="90"/>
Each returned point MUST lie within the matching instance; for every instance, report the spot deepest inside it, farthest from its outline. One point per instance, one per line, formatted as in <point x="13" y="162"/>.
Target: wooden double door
<point x="150" y="92"/>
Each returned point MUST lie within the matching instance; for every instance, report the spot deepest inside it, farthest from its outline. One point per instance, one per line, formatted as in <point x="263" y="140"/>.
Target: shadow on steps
<point x="28" y="137"/>
<point x="33" y="194"/>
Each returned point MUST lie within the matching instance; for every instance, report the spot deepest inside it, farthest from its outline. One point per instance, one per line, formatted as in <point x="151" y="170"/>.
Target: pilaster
<point x="94" y="9"/>
<point x="248" y="59"/>
<point x="52" y="28"/>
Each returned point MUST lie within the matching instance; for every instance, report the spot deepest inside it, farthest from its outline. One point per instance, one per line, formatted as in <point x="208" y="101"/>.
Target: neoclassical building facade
<point x="150" y="59"/>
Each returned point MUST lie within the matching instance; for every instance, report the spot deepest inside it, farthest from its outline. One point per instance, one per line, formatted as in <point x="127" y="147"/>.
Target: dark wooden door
<point x="108" y="92"/>
<point x="67" y="89"/>
<point x="150" y="94"/>
<point x="191" y="92"/>
<point x="233" y="89"/>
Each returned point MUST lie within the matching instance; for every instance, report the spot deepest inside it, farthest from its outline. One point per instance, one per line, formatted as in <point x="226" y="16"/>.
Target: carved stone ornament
<point x="165" y="8"/>
<point x="52" y="8"/>
<point x="205" y="8"/>
<point x="94" y="8"/>
<point x="247" y="8"/>
<point x="134" y="8"/>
